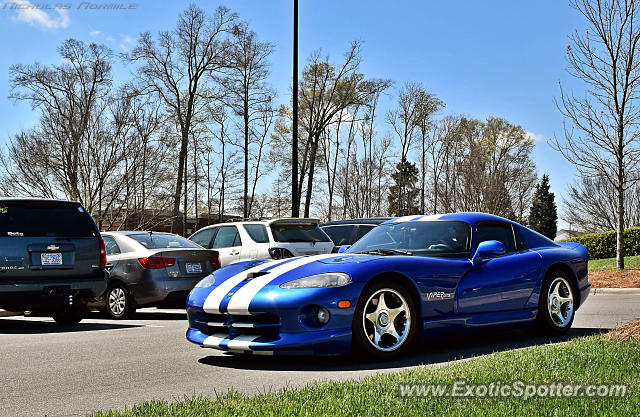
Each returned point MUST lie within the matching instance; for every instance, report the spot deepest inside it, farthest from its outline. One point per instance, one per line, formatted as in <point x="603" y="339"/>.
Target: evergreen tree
<point x="544" y="214"/>
<point x="403" y="195"/>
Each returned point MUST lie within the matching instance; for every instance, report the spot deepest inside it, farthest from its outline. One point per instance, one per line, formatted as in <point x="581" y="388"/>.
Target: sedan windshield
<point x="430" y="238"/>
<point x="163" y="241"/>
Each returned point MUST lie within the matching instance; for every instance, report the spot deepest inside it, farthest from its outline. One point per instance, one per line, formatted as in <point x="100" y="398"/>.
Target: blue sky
<point x="491" y="58"/>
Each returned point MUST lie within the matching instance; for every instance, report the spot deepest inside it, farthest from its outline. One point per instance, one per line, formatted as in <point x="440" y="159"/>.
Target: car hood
<point x="360" y="267"/>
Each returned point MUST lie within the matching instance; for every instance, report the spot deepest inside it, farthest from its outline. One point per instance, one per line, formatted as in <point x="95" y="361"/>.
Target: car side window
<point x="204" y="237"/>
<point x="226" y="237"/>
<point x="257" y="232"/>
<point x="110" y="245"/>
<point x="501" y="232"/>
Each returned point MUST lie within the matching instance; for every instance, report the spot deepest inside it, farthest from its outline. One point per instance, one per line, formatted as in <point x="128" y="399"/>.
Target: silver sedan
<point x="151" y="269"/>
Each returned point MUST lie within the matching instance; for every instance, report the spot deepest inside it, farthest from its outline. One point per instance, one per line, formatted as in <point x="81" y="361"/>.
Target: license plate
<point x="51" y="258"/>
<point x="194" y="268"/>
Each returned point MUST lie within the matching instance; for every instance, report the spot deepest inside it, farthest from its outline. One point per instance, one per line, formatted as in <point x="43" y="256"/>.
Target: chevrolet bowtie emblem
<point x="53" y="247"/>
<point x="230" y="294"/>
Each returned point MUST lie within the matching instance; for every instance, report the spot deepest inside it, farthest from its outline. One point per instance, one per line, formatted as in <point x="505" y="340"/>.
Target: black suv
<point x="52" y="258"/>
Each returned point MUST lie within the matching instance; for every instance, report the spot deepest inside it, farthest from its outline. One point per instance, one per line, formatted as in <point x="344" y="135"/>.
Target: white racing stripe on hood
<point x="212" y="302"/>
<point x="241" y="342"/>
<point x="239" y="303"/>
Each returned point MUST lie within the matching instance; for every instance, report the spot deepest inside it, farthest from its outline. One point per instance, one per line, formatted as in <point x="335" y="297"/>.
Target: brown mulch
<point x="629" y="278"/>
<point x="627" y="331"/>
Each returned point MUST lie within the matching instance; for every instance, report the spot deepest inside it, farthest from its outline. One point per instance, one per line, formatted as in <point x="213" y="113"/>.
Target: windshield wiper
<point x="387" y="251"/>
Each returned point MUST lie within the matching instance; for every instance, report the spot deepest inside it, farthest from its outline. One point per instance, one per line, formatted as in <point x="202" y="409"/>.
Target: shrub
<point x="603" y="245"/>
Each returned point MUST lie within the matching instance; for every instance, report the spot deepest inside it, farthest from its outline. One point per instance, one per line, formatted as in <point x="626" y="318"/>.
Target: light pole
<point x="295" y="199"/>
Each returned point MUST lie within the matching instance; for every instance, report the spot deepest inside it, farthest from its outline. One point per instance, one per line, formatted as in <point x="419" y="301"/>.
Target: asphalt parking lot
<point x="105" y="364"/>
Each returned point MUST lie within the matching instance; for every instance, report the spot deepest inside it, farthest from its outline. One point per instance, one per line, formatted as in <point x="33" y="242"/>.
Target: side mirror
<point x="343" y="248"/>
<point x="488" y="249"/>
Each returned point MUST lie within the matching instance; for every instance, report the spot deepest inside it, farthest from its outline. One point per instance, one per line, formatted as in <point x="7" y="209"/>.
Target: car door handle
<point x="234" y="252"/>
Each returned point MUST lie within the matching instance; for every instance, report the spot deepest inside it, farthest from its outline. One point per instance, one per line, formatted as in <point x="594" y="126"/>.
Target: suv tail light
<point x="280" y="253"/>
<point x="103" y="254"/>
<point x="215" y="261"/>
<point x="156" y="262"/>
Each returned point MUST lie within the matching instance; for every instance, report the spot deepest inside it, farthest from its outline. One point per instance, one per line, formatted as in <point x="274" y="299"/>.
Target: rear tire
<point x="556" y="308"/>
<point x="118" y="302"/>
<point x="385" y="321"/>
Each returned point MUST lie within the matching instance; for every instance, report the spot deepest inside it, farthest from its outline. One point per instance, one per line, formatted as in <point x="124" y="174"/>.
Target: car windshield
<point x="298" y="232"/>
<point x="163" y="241"/>
<point x="430" y="238"/>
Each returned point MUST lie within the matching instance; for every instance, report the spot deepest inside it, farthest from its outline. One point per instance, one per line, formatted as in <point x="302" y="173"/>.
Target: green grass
<point x="588" y="360"/>
<point x="609" y="264"/>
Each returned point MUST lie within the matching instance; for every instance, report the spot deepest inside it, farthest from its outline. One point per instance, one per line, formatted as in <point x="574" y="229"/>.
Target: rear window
<point x="45" y="219"/>
<point x="293" y="232"/>
<point x="258" y="232"/>
<point x="163" y="241"/>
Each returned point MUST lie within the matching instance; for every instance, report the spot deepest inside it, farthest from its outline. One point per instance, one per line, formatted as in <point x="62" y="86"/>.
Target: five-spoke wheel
<point x="556" y="308"/>
<point x="385" y="320"/>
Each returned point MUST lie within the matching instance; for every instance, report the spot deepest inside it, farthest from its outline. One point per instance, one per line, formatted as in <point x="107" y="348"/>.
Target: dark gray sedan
<point x="152" y="269"/>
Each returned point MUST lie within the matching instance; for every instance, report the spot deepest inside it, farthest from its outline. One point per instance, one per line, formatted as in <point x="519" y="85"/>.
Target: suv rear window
<point x="39" y="219"/>
<point x="292" y="232"/>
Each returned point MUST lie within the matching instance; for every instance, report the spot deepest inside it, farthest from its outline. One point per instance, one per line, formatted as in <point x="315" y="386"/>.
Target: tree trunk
<point x="178" y="192"/>
<point x="620" y="228"/>
<point x="245" y="208"/>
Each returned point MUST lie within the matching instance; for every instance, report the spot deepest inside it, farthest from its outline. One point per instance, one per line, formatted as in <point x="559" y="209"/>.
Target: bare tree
<point x="591" y="205"/>
<point x="427" y="106"/>
<point x="403" y="118"/>
<point x="245" y="78"/>
<point x="324" y="92"/>
<point x="175" y="67"/>
<point x="601" y="134"/>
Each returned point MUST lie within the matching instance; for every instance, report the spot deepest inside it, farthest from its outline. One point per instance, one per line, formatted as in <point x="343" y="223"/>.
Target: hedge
<point x="603" y="245"/>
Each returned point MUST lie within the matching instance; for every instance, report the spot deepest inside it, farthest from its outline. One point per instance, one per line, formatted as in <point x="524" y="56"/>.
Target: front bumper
<point x="321" y="342"/>
<point x="279" y="321"/>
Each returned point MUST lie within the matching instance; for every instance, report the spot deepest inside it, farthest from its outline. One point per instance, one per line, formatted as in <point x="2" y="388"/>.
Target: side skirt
<point x="477" y="320"/>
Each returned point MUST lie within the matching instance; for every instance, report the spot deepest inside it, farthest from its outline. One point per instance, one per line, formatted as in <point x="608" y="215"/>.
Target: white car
<point x="270" y="239"/>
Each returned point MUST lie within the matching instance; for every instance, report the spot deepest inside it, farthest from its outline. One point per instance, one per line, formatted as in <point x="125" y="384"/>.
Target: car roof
<point x="472" y="218"/>
<point x="367" y="220"/>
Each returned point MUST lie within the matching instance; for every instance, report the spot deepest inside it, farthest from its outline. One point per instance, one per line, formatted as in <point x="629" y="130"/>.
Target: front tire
<point x="118" y="302"/>
<point x="385" y="321"/>
<point x="556" y="308"/>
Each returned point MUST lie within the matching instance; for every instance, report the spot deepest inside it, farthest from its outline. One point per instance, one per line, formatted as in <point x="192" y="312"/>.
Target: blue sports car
<point x="405" y="279"/>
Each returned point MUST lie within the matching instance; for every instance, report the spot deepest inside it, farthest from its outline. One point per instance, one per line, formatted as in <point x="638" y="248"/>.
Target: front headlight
<point x="207" y="281"/>
<point x="330" y="279"/>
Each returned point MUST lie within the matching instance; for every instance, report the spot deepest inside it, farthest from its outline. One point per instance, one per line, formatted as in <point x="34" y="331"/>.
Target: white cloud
<point x="126" y="42"/>
<point x="94" y="33"/>
<point x="536" y="137"/>
<point x="36" y="16"/>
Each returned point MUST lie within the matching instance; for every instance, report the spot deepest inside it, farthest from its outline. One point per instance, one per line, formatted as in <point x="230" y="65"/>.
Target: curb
<point x="625" y="291"/>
